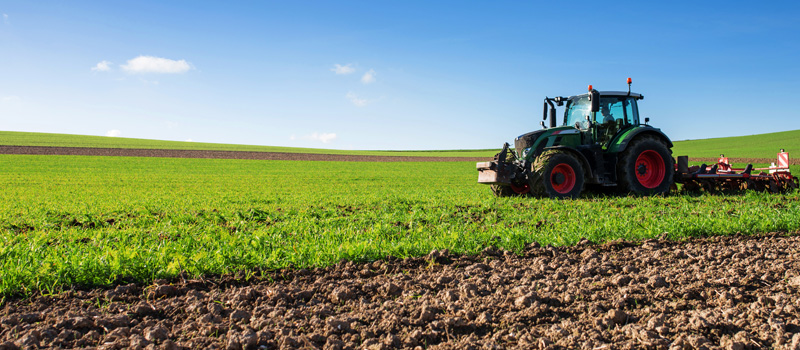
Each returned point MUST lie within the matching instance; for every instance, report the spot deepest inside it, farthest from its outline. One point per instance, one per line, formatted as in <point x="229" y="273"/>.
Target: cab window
<point x="611" y="110"/>
<point x="631" y="111"/>
<point x="619" y="110"/>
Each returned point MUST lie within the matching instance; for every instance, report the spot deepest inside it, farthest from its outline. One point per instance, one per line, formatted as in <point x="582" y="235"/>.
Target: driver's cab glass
<point x="616" y="110"/>
<point x="577" y="111"/>
<point x="611" y="110"/>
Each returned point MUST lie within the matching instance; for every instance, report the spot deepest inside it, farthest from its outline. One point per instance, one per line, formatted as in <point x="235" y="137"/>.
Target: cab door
<point x="616" y="114"/>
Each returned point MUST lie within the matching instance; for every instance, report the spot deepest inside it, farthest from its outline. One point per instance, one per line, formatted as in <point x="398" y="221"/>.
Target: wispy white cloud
<point x="343" y="69"/>
<point x="148" y="82"/>
<point x="9" y="99"/>
<point x="113" y="133"/>
<point x="357" y="101"/>
<point x="102" y="66"/>
<point x="324" y="137"/>
<point x="151" y="64"/>
<point x="5" y="18"/>
<point x="368" y="77"/>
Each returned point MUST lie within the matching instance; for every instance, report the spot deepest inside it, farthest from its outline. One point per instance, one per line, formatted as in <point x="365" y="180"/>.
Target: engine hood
<point x="526" y="140"/>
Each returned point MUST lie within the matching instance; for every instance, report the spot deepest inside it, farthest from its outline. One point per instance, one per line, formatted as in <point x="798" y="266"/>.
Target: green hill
<point x="751" y="146"/>
<point x="13" y="138"/>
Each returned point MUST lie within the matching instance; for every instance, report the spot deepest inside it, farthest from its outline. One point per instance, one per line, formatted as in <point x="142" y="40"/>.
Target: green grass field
<point x="73" y="220"/>
<point x="64" y="140"/>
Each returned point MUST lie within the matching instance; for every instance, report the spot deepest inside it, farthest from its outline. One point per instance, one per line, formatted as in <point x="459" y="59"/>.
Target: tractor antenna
<point x="629" y="86"/>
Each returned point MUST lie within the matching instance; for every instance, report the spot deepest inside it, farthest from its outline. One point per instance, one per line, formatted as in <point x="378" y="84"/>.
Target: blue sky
<point x="389" y="75"/>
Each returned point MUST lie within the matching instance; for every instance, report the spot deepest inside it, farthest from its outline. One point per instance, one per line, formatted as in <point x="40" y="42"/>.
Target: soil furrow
<point x="737" y="292"/>
<point x="171" y="153"/>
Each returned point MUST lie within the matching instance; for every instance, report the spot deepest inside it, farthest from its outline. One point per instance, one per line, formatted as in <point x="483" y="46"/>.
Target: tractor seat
<point x="608" y="130"/>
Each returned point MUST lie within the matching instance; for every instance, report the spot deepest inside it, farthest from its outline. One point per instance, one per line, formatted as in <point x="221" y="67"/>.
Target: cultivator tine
<point x="691" y="186"/>
<point x="708" y="186"/>
<point x="773" y="186"/>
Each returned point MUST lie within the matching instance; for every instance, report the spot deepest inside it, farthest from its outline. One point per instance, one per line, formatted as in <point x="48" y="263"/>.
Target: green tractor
<point x="601" y="142"/>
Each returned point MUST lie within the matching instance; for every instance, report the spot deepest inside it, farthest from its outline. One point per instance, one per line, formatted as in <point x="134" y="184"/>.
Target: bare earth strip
<point x="168" y="153"/>
<point x="739" y="292"/>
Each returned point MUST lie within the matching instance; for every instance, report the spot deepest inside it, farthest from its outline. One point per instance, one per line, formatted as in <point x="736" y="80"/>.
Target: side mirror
<point x="594" y="97"/>
<point x="646" y="120"/>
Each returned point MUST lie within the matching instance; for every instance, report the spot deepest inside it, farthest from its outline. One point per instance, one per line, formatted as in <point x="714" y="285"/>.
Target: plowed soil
<point x="171" y="153"/>
<point x="737" y="292"/>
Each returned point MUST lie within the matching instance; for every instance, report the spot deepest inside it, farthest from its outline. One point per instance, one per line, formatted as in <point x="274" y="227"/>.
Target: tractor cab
<point x="616" y="111"/>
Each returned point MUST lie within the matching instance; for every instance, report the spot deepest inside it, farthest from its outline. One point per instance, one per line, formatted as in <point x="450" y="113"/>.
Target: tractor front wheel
<point x="646" y="167"/>
<point x="557" y="174"/>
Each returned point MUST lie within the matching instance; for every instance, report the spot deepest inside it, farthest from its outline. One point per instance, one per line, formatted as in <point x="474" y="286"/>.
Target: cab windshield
<point x="577" y="110"/>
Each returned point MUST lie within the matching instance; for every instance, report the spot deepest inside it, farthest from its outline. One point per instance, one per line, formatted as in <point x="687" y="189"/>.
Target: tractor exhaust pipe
<point x="549" y="101"/>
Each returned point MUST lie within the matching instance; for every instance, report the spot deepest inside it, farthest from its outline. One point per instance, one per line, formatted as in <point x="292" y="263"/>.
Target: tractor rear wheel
<point x="557" y="174"/>
<point x="646" y="167"/>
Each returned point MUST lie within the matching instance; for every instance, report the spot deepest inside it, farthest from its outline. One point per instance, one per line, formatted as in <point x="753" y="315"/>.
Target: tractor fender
<point x="625" y="138"/>
<point x="588" y="173"/>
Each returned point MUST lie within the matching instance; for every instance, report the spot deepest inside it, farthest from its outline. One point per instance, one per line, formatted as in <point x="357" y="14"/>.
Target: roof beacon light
<point x="629" y="86"/>
<point x="590" y="87"/>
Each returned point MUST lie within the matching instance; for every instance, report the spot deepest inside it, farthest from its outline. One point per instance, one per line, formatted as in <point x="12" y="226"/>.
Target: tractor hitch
<point x="506" y="173"/>
<point x="497" y="171"/>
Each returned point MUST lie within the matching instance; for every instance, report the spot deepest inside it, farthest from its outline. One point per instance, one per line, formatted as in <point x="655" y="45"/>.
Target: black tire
<point x="646" y="167"/>
<point x="557" y="174"/>
<point x="502" y="191"/>
<point x="509" y="191"/>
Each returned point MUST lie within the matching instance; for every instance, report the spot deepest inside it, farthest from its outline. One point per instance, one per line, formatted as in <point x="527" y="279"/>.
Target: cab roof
<point x="612" y="93"/>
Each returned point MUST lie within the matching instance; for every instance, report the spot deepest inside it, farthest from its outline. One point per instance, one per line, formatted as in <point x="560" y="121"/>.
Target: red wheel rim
<point x="520" y="189"/>
<point x="562" y="178"/>
<point x="650" y="169"/>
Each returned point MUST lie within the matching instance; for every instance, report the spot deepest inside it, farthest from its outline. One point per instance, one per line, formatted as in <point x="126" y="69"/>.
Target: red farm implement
<point x="723" y="176"/>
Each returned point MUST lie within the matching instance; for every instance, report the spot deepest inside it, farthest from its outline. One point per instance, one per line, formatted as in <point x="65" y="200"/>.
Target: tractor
<point x="601" y="142"/>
